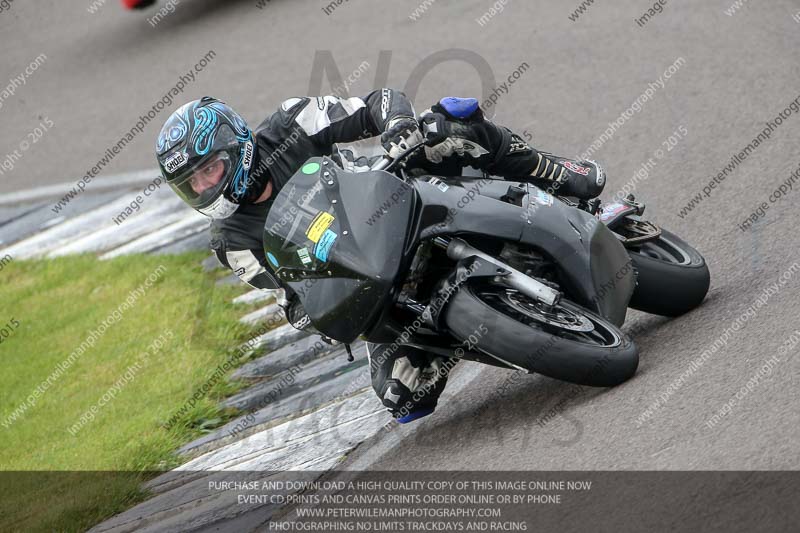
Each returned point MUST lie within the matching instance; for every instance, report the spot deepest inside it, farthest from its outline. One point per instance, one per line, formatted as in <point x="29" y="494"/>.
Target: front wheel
<point x="672" y="277"/>
<point x="564" y="342"/>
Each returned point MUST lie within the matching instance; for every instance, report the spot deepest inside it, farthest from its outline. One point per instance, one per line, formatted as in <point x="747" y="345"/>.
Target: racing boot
<point x="566" y="177"/>
<point x="408" y="381"/>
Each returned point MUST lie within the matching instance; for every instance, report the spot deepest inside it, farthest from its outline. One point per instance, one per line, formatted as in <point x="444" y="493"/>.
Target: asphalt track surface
<point x="104" y="70"/>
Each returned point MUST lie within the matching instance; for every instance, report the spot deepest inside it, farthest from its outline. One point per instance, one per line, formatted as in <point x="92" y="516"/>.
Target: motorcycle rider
<point x="224" y="170"/>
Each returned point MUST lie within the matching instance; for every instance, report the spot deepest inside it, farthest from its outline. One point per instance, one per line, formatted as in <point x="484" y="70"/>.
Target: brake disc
<point x="555" y="316"/>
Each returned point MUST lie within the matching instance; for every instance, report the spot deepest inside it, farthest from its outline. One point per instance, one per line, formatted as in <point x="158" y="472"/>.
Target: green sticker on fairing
<point x="304" y="257"/>
<point x="311" y="168"/>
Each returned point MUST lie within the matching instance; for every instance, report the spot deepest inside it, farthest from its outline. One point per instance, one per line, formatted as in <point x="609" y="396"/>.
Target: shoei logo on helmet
<point x="176" y="161"/>
<point x="247" y="159"/>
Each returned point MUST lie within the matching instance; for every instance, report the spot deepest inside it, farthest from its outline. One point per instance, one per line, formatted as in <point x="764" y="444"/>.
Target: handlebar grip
<point x="387" y="161"/>
<point x="381" y="163"/>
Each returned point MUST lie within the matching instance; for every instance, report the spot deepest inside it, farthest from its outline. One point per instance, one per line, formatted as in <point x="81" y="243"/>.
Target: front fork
<point x="459" y="250"/>
<point x="472" y="263"/>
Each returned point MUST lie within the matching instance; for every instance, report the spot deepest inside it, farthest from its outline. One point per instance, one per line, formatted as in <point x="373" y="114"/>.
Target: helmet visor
<point x="201" y="184"/>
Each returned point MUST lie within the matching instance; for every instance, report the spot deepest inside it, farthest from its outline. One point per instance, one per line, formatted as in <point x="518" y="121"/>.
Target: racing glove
<point x="401" y="134"/>
<point x="456" y="128"/>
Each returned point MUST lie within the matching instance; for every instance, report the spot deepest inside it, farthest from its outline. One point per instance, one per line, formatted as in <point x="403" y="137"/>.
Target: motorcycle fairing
<point x="360" y="220"/>
<point x="339" y="239"/>
<point x="594" y="266"/>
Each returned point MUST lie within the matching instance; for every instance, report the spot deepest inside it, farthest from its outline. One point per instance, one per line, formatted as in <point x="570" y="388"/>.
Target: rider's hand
<point x="401" y="134"/>
<point x="447" y="135"/>
<point x="436" y="131"/>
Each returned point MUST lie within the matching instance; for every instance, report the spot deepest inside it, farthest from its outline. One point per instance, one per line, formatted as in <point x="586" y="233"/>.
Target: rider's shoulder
<point x="283" y="118"/>
<point x="238" y="232"/>
<point x="242" y="220"/>
<point x="294" y="104"/>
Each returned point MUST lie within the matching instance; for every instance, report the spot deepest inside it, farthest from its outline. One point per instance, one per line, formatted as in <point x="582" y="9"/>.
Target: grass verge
<point x="99" y="360"/>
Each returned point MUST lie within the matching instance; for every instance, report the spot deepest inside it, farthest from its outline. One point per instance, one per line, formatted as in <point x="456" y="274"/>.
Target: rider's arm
<point x="327" y="120"/>
<point x="470" y="139"/>
<point x="251" y="266"/>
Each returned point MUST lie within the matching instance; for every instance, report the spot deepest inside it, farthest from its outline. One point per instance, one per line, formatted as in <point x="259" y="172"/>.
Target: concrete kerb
<point x="114" y="181"/>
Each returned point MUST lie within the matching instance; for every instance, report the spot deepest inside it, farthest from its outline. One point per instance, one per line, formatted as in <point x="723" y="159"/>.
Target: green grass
<point x="57" y="303"/>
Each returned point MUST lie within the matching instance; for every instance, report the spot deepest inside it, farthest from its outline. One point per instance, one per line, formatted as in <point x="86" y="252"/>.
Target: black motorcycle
<point x="489" y="270"/>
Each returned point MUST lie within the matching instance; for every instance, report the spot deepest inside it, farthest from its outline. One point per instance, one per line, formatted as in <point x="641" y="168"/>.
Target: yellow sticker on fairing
<point x="321" y="222"/>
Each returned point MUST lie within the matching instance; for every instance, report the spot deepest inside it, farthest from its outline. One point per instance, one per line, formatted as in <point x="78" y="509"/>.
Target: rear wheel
<point x="565" y="341"/>
<point x="672" y="277"/>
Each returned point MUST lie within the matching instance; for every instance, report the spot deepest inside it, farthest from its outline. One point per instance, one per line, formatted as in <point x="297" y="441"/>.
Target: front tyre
<point x="566" y="342"/>
<point x="672" y="277"/>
